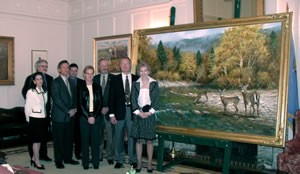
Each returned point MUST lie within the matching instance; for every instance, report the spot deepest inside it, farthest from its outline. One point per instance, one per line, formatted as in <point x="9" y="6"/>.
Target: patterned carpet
<point x="19" y="156"/>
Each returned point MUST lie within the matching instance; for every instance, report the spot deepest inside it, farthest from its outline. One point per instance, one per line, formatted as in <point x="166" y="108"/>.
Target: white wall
<point x="35" y="25"/>
<point x="96" y="18"/>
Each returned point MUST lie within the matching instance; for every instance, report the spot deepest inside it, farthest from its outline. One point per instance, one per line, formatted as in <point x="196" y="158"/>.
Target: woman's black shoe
<point x="138" y="170"/>
<point x="85" y="168"/>
<point x="149" y="170"/>
<point x="35" y="166"/>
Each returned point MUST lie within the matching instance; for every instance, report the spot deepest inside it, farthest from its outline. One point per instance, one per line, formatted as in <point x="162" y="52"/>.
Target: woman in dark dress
<point x="144" y="101"/>
<point x="90" y="101"/>
<point x="35" y="111"/>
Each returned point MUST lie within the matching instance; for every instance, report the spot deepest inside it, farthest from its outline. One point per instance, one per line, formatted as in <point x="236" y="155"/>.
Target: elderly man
<point x="103" y="79"/>
<point x="121" y="114"/>
<point x="41" y="66"/>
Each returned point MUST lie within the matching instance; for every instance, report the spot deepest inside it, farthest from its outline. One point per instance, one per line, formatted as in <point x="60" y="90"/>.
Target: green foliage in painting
<point x="188" y="66"/>
<point x="176" y="54"/>
<point x="161" y="55"/>
<point x="148" y="54"/>
<point x="198" y="57"/>
<point x="239" y="56"/>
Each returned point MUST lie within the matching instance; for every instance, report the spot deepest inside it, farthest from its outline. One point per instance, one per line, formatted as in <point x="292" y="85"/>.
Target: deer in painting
<point x="252" y="98"/>
<point x="229" y="100"/>
<point x="199" y="96"/>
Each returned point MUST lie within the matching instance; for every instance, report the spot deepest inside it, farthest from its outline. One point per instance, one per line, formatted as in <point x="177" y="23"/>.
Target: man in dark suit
<point x="78" y="82"/>
<point x="104" y="79"/>
<point x="41" y="66"/>
<point x="64" y="98"/>
<point x="121" y="114"/>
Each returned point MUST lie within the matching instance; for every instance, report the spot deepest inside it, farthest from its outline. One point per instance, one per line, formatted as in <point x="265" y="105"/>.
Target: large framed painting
<point x="37" y="55"/>
<point x="112" y="48"/>
<point x="6" y="60"/>
<point x="226" y="79"/>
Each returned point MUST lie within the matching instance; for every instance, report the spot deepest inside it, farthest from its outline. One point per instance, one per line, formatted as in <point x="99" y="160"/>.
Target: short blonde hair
<point x="143" y="64"/>
<point x="87" y="68"/>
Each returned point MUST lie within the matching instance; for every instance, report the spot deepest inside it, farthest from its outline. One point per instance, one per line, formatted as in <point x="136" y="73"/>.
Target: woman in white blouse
<point x="144" y="101"/>
<point x="35" y="111"/>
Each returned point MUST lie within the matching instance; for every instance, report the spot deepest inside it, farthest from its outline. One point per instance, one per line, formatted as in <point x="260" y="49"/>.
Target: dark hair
<point x="73" y="65"/>
<point x="62" y="62"/>
<point x="33" y="77"/>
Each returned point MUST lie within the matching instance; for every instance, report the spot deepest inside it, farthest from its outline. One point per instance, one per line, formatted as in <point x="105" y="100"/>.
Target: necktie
<point x="68" y="86"/>
<point x="127" y="91"/>
<point x="75" y="80"/>
<point x="45" y="81"/>
<point x="103" y="84"/>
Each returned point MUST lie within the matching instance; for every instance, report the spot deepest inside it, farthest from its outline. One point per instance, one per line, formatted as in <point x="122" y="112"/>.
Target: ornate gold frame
<point x="10" y="62"/>
<point x="198" y="9"/>
<point x="279" y="139"/>
<point x="110" y="38"/>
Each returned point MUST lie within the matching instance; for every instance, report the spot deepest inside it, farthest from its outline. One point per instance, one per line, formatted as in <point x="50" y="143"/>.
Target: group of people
<point x="80" y="111"/>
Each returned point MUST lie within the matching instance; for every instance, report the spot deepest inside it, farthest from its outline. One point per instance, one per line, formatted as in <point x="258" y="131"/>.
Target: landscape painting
<point x="112" y="48"/>
<point x="6" y="60"/>
<point x="226" y="79"/>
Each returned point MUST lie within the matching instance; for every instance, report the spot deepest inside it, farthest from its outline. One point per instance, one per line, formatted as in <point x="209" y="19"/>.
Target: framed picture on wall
<point x="35" y="56"/>
<point x="112" y="48"/>
<point x="6" y="60"/>
<point x="222" y="80"/>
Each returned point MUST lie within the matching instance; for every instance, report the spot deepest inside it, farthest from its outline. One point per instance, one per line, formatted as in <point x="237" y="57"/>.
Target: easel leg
<point x="160" y="156"/>
<point x="227" y="156"/>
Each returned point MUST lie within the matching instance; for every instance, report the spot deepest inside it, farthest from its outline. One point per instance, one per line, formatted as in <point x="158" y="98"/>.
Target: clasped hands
<point x="144" y="114"/>
<point x="72" y="112"/>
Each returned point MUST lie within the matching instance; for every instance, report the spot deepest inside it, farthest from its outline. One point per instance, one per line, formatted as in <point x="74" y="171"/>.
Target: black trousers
<point x="77" y="139"/>
<point x="63" y="140"/>
<point x="44" y="148"/>
<point x="90" y="133"/>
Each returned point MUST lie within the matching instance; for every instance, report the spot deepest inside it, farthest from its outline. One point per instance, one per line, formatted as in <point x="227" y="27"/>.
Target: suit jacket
<point x="79" y="82"/>
<point x="154" y="95"/>
<point x="107" y="87"/>
<point x="84" y="100"/>
<point x="28" y="84"/>
<point x="62" y="101"/>
<point x="117" y="97"/>
<point x="105" y="95"/>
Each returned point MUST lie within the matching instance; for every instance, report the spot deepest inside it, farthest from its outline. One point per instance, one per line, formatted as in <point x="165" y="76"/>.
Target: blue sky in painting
<point x="175" y="36"/>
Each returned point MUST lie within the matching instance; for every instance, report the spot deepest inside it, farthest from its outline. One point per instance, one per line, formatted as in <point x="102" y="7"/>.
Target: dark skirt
<point x="143" y="128"/>
<point x="37" y="129"/>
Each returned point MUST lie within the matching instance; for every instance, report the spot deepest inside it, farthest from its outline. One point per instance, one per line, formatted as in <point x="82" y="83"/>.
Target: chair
<point x="289" y="160"/>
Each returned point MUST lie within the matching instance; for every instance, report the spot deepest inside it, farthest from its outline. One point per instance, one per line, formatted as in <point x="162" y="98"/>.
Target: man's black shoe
<point x="73" y="162"/>
<point x="119" y="165"/>
<point x="59" y="165"/>
<point x="78" y="157"/>
<point x="45" y="158"/>
<point x="133" y="165"/>
<point x="110" y="162"/>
